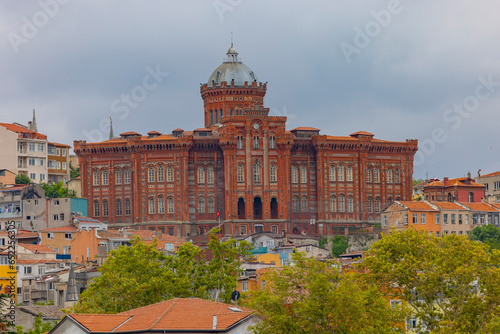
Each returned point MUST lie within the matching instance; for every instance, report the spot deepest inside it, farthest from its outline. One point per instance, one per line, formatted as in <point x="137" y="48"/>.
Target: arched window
<point x="295" y="204"/>
<point x="340" y="174"/>
<point x="239" y="142"/>
<point x="127" y="176"/>
<point x="369" y="175"/>
<point x="304" y="206"/>
<point x="272" y="142"/>
<point x="295" y="176"/>
<point x="272" y="173"/>
<point x="341" y="203"/>
<point x="376" y="175"/>
<point x="201" y="205"/>
<point x="256" y="172"/>
<point x="377" y="205"/>
<point x="471" y="197"/>
<point x="161" y="174"/>
<point x="211" y="206"/>
<point x="170" y="204"/>
<point x="303" y="174"/>
<point x="332" y="173"/>
<point x="210" y="175"/>
<point x="151" y="174"/>
<point x="241" y="173"/>
<point x="201" y="175"/>
<point x="350" y="206"/>
<point x="349" y="173"/>
<point x="397" y="176"/>
<point x="333" y="204"/>
<point x="389" y="176"/>
<point x="161" y="204"/>
<point x="97" y="209"/>
<point x="170" y="174"/>
<point x="105" y="208"/>
<point x="369" y="205"/>
<point x="105" y="177"/>
<point x="118" y="176"/>
<point x="128" y="210"/>
<point x="96" y="178"/>
<point x="119" y="207"/>
<point x="151" y="202"/>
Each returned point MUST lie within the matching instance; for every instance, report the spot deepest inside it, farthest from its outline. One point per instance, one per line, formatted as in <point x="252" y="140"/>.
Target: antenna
<point x="231" y="38"/>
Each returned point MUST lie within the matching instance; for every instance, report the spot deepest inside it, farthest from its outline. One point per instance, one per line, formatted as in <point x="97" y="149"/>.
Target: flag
<point x="218" y="214"/>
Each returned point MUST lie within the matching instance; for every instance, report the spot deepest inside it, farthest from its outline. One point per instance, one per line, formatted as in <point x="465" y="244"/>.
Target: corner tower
<point x="231" y="88"/>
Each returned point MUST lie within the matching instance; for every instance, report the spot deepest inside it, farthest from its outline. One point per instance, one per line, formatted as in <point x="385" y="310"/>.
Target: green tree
<point x="74" y="172"/>
<point x="56" y="190"/>
<point x="22" y="179"/>
<point x="489" y="234"/>
<point x="140" y="275"/>
<point x="417" y="181"/>
<point x="450" y="283"/>
<point x="39" y="328"/>
<point x="339" y="245"/>
<point x="315" y="297"/>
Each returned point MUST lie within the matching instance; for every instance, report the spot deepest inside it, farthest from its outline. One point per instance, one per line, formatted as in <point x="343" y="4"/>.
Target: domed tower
<point x="231" y="88"/>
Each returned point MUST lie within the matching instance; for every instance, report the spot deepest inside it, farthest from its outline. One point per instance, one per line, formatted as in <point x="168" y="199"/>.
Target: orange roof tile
<point x="40" y="261"/>
<point x="362" y="133"/>
<point x="68" y="228"/>
<point x="454" y="182"/>
<point x="177" y="130"/>
<point x="58" y="144"/>
<point x="37" y="248"/>
<point x="190" y="314"/>
<point x="20" y="130"/>
<point x="479" y="206"/>
<point x="491" y="174"/>
<point x="130" y="133"/>
<point x="305" y="128"/>
<point x="417" y="206"/>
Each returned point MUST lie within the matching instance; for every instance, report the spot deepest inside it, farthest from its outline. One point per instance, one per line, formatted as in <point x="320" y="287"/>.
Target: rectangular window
<point x="50" y="235"/>
<point x="68" y="235"/>
<point x="56" y="217"/>
<point x="33" y="176"/>
<point x="445" y="218"/>
<point x="62" y="216"/>
<point x="437" y="233"/>
<point x="437" y="218"/>
<point x="171" y="231"/>
<point x="42" y="177"/>
<point x="460" y="218"/>
<point x="65" y="250"/>
<point x="58" y="151"/>
<point x="244" y="286"/>
<point x="385" y="220"/>
<point x="58" y="165"/>
<point x="31" y="147"/>
<point x="453" y="218"/>
<point x="27" y="270"/>
<point x="243" y="229"/>
<point x="41" y="147"/>
<point x="40" y="162"/>
<point x="406" y="219"/>
<point x="482" y="219"/>
<point x="41" y="269"/>
<point x="422" y="218"/>
<point x="52" y="150"/>
<point x="63" y="152"/>
<point x="64" y="165"/>
<point x="415" y="218"/>
<point x="272" y="142"/>
<point x="467" y="219"/>
<point x="31" y="161"/>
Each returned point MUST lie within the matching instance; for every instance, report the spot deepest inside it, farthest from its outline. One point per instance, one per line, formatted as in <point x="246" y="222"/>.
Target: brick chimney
<point x="445" y="181"/>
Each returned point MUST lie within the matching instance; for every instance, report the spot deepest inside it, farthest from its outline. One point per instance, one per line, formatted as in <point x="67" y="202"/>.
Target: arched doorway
<point x="241" y="208"/>
<point x="274" y="208"/>
<point x="257" y="208"/>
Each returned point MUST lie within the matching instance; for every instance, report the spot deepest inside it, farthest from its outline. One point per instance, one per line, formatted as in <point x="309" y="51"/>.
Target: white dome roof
<point x="232" y="69"/>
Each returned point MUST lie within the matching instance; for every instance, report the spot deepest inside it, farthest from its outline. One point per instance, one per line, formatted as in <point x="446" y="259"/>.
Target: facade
<point x="58" y="162"/>
<point x="58" y="238"/>
<point x="463" y="189"/>
<point x="43" y="213"/>
<point x="11" y="206"/>
<point x="244" y="169"/>
<point x="6" y="177"/>
<point x="492" y="183"/>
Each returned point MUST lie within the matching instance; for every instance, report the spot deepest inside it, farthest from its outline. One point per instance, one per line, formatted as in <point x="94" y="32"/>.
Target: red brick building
<point x="463" y="189"/>
<point x="245" y="165"/>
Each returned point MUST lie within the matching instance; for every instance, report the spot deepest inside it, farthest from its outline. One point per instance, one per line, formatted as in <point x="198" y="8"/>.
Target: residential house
<point x="492" y="183"/>
<point x="75" y="186"/>
<point x="58" y="162"/>
<point x="175" y="316"/>
<point x="163" y="241"/>
<point x="34" y="252"/>
<point x="7" y="177"/>
<point x="463" y="189"/>
<point x="94" y="244"/>
<point x="25" y="315"/>
<point x="310" y="250"/>
<point x="11" y="206"/>
<point x="453" y="218"/>
<point x="420" y="215"/>
<point x="58" y="238"/>
<point x="483" y="213"/>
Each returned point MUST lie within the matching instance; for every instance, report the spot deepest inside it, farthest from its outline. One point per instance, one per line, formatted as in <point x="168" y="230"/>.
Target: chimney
<point x="468" y="175"/>
<point x="445" y="181"/>
<point x="479" y="173"/>
<point x="214" y="323"/>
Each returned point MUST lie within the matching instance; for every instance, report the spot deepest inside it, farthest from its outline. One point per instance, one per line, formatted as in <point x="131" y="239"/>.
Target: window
<point x="239" y="142"/>
<point x="33" y="176"/>
<point x="40" y="162"/>
<point x="201" y="205"/>
<point x="274" y="229"/>
<point x="422" y="218"/>
<point x="377" y="205"/>
<point x="170" y="174"/>
<point x="415" y="218"/>
<point x="170" y="205"/>
<point x="97" y="209"/>
<point x="161" y="204"/>
<point x="61" y="216"/>
<point x="460" y="218"/>
<point x="295" y="172"/>
<point x="201" y="175"/>
<point x="63" y="152"/>
<point x="412" y="323"/>
<point x="385" y="220"/>
<point x="127" y="176"/>
<point x="466" y="219"/>
<point x="118" y="207"/>
<point x="482" y="219"/>
<point x="96" y="178"/>
<point x="445" y="218"/>
<point x="211" y="206"/>
<point x="105" y="208"/>
<point x="332" y="173"/>
<point x="376" y="175"/>
<point x="210" y="175"/>
<point x="58" y="151"/>
<point x="255" y="142"/>
<point x="243" y="229"/>
<point x="295" y="204"/>
<point x="52" y="150"/>
<point x="272" y="142"/>
<point x="340" y="173"/>
<point x="105" y="177"/>
<point x="256" y="172"/>
<point x="244" y="286"/>
<point x="389" y="176"/>
<point x="272" y="174"/>
<point x="303" y="174"/>
<point x="369" y="175"/>
<point x="27" y="270"/>
<point x="350" y="204"/>
<point x="453" y="218"/>
<point x="31" y="147"/>
<point x="58" y="165"/>
<point x="369" y="205"/>
<point x="349" y="174"/>
<point x="128" y="210"/>
<point x="42" y="177"/>
<point x="341" y="203"/>
<point x="437" y="233"/>
<point x="31" y="161"/>
<point x="55" y="217"/>
<point x="395" y="303"/>
<point x="161" y="174"/>
<point x="471" y="197"/>
<point x="151" y="205"/>
<point x="118" y="176"/>
<point x="64" y="165"/>
<point x="68" y="235"/>
<point x="50" y="235"/>
<point x="240" y="173"/>
<point x="304" y="204"/>
<point x="40" y="147"/>
<point x="437" y="218"/>
<point x="151" y="174"/>
<point x="333" y="204"/>
<point x="397" y="177"/>
<point x="56" y="202"/>
<point x="406" y="218"/>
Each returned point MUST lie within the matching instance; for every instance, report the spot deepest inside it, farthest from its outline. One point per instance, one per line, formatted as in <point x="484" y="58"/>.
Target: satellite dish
<point x="235" y="295"/>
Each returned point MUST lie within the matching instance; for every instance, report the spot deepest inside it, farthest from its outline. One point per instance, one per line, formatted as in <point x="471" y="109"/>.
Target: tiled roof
<point x="362" y="133"/>
<point x="48" y="311"/>
<point x="85" y="219"/>
<point x="417" y="206"/>
<point x="178" y="130"/>
<point x="479" y="206"/>
<point x="454" y="182"/>
<point x="130" y="133"/>
<point x="20" y="130"/>
<point x="305" y="128"/>
<point x="491" y="174"/>
<point x="37" y="248"/>
<point x="107" y="234"/>
<point x="20" y="261"/>
<point x="58" y="144"/>
<point x="448" y="206"/>
<point x="68" y="228"/>
<point x="189" y="314"/>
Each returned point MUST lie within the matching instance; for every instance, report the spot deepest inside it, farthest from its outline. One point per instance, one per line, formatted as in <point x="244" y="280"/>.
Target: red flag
<point x="218" y="214"/>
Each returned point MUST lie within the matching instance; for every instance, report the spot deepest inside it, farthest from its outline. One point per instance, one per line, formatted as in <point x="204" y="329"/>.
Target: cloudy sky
<point x="426" y="70"/>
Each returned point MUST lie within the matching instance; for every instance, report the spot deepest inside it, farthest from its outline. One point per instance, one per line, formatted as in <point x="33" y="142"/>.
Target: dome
<point x="232" y="69"/>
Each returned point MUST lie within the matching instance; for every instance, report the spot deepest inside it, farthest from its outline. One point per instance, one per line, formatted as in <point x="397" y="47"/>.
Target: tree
<point x="339" y="245"/>
<point x="74" y="172"/>
<point x="40" y="326"/>
<point x="140" y="275"/>
<point x="56" y="190"/>
<point x="489" y="234"/>
<point x="450" y="283"/>
<point x="315" y="297"/>
<point x="22" y="179"/>
<point x="417" y="181"/>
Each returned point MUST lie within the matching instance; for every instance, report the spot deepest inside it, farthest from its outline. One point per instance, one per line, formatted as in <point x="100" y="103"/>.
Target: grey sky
<point x="398" y="82"/>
